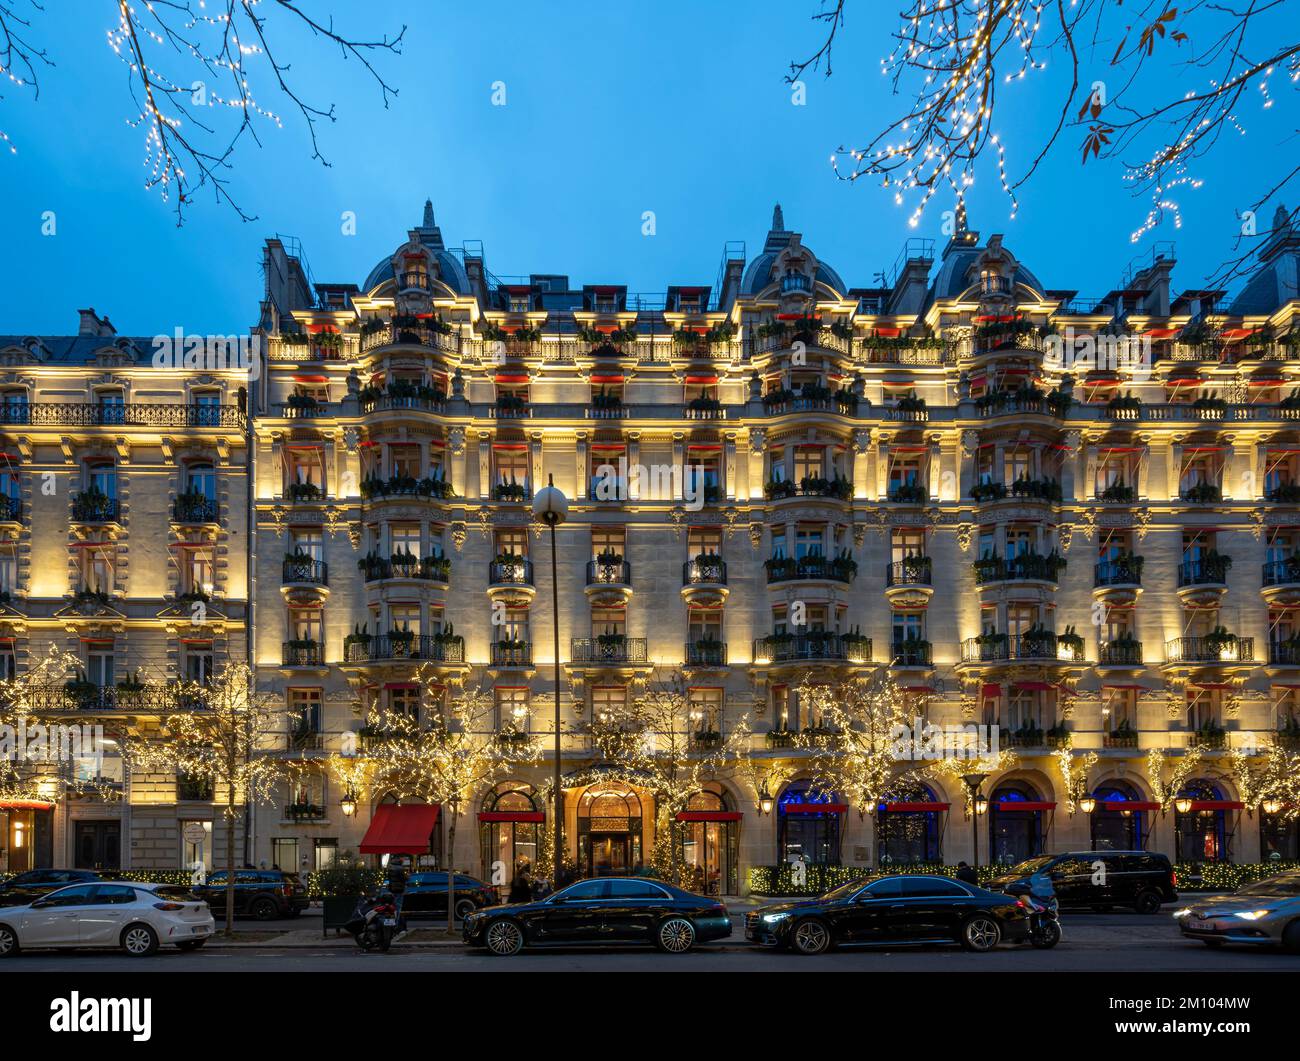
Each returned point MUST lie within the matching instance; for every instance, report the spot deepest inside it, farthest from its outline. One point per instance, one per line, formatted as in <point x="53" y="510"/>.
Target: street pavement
<point x="1117" y="942"/>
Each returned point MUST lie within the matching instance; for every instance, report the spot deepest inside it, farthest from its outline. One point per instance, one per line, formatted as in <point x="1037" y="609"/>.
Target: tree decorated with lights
<point x="1183" y="769"/>
<point x="669" y="745"/>
<point x="1153" y="86"/>
<point x="1073" y="769"/>
<point x="192" y="69"/>
<point x="1270" y="782"/>
<point x="455" y="753"/>
<point x="857" y="725"/>
<point x="224" y="732"/>
<point x="37" y="744"/>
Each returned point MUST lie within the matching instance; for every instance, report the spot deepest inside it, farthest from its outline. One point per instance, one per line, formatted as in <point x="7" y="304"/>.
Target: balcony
<point x="911" y="653"/>
<point x="911" y="571"/>
<point x="1281" y="581"/>
<point x="609" y="581"/>
<point x="1042" y="646"/>
<point x="92" y="507"/>
<point x="87" y="696"/>
<point x="1046" y="490"/>
<point x="510" y="571"/>
<point x="704" y="580"/>
<point x="1202" y="494"/>
<point x="409" y="331"/>
<point x="1208" y="571"/>
<point x="11" y="510"/>
<point x="908" y="493"/>
<point x="194" y="508"/>
<point x="94" y="414"/>
<point x="405" y="565"/>
<point x="786" y="648"/>
<point x="1284" y="653"/>
<point x="302" y="654"/>
<point x="374" y="488"/>
<point x="1221" y="648"/>
<point x="811" y="568"/>
<point x="1027" y="567"/>
<point x="512" y="654"/>
<point x="304" y="571"/>
<point x="1121" y="654"/>
<point x="1124" y="571"/>
<point x="838" y="488"/>
<point x="705" y="653"/>
<point x="609" y="649"/>
<point x="296" y="493"/>
<point x="434" y="648"/>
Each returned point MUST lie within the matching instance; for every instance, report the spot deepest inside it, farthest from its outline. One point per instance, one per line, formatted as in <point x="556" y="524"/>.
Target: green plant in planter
<point x="1059" y="736"/>
<point x="1071" y="639"/>
<point x="911" y="403"/>
<point x="779" y="488"/>
<point x="611" y="640"/>
<point x="360" y="634"/>
<point x="1219" y="638"/>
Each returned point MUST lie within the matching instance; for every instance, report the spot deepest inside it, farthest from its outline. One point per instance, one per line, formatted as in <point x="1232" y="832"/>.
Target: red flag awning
<point x="814" y="808"/>
<point x="1017" y="804"/>
<point x="709" y="815"/>
<point x="25" y="804"/>
<point x="1217" y="804"/>
<point x="400" y="830"/>
<point x="912" y="808"/>
<point x="1128" y="804"/>
<point x="512" y="816"/>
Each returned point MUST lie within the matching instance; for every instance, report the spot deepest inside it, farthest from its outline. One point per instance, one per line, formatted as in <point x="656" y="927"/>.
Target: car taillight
<point x="169" y="906"/>
<point x="719" y="909"/>
<point x="1022" y="904"/>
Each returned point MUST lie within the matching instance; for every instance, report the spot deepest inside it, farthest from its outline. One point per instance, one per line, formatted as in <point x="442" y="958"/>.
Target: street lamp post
<point x="973" y="782"/>
<point x="552" y="508"/>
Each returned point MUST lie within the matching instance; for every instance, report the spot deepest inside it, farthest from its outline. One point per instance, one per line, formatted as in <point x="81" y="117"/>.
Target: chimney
<point x="92" y="324"/>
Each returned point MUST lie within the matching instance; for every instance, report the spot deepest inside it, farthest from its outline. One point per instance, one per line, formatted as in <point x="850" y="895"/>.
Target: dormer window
<point x="519" y="304"/>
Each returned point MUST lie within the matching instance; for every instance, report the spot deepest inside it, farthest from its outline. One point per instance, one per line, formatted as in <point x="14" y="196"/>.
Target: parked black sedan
<point x="426" y="896"/>
<point x="902" y="909"/>
<point x="602" y="910"/>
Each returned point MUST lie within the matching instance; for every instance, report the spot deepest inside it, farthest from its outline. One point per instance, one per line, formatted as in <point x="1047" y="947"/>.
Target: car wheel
<point x="504" y="938"/>
<point x="811" y="936"/>
<point x="264" y="910"/>
<point x="980" y="934"/>
<point x="139" y="941"/>
<point x="190" y="944"/>
<point x="675" y="936"/>
<point x="8" y="942"/>
<point x="464" y="907"/>
<point x="1290" y="937"/>
<point x="1147" y="903"/>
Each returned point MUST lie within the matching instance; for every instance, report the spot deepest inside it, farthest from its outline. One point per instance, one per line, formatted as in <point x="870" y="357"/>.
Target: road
<point x="1116" y="942"/>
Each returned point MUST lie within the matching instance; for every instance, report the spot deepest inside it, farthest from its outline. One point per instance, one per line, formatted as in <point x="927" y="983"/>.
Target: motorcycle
<point x="374" y="922"/>
<point x="1044" y="917"/>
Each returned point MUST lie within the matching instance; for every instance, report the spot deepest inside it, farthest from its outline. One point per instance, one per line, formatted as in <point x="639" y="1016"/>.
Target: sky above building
<point x="610" y="111"/>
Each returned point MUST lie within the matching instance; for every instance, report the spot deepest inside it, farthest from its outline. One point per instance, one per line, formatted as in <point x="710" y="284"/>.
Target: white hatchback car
<point x="136" y="918"/>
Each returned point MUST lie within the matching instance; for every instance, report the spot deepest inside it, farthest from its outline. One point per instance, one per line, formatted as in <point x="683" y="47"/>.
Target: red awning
<point x="25" y="804"/>
<point x="814" y="808"/>
<point x="912" y="808"/>
<point x="989" y="689"/>
<point x="1016" y="804"/>
<point x="400" y="830"/>
<point x="1217" y="804"/>
<point x="709" y="815"/>
<point x="511" y="816"/>
<point x="1128" y="804"/>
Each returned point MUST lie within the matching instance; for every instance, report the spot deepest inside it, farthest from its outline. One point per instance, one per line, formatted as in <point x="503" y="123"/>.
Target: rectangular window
<point x="511" y="709"/>
<point x="198" y="661"/>
<point x="809" y="463"/>
<point x="305" y="624"/>
<point x="305" y="709"/>
<point x="608" y="621"/>
<point x="510" y="466"/>
<point x="704" y="707"/>
<point x="284" y="853"/>
<point x="607" y="702"/>
<point x="196" y="854"/>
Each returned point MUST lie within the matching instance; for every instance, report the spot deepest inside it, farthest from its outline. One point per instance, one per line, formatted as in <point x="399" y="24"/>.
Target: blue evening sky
<point x="612" y="109"/>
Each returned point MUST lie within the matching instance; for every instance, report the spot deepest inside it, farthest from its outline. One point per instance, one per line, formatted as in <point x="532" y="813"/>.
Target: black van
<point x="1098" y="879"/>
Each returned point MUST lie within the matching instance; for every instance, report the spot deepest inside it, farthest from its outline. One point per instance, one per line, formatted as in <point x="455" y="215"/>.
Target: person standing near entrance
<point x="966" y="874"/>
<point x="521" y="887"/>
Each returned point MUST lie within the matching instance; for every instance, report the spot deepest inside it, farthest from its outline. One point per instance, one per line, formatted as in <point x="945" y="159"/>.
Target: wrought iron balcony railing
<point x="94" y="508"/>
<point x="834" y="569"/>
<point x="1026" y="567"/>
<point x="1282" y="572"/>
<point x="130" y="414"/>
<point x="707" y="571"/>
<point x="782" y="648"/>
<point x="1121" y="654"/>
<point x="510" y="572"/>
<point x="911" y="653"/>
<point x="609" y="650"/>
<point x="191" y="509"/>
<point x="706" y="653"/>
<point x="435" y="648"/>
<point x="992" y="648"/>
<point x="1205" y="572"/>
<point x="402" y="565"/>
<point x="302" y="654"/>
<point x="1118" y="573"/>
<point x="914" y="571"/>
<point x="1210" y="649"/>
<point x="512" y="654"/>
<point x="609" y="573"/>
<point x="11" y="510"/>
<point x="312" y="572"/>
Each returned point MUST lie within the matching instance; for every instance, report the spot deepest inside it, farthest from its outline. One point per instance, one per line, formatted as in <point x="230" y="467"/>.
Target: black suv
<point x="1098" y="879"/>
<point x="426" y="896"/>
<point x="261" y="893"/>
<point x="22" y="888"/>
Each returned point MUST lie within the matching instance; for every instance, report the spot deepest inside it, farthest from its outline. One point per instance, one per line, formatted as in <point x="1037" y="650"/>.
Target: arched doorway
<point x="609" y="831"/>
<point x="510" y="826"/>
<point x="1201" y="833"/>
<point x="908" y="826"/>
<point x="1016" y="826"/>
<point x="707" y="838"/>
<point x="1279" y="838"/>
<point x="809" y="824"/>
<point x="1119" y="821"/>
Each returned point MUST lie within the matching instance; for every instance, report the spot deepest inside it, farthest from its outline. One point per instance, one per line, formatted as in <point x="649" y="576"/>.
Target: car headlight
<point x="1252" y="915"/>
<point x="1184" y="912"/>
<point x="772" y="919"/>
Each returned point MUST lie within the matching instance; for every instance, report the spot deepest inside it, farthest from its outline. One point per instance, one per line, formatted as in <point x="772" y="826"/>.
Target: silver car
<point x="1264" y="913"/>
<point x="136" y="918"/>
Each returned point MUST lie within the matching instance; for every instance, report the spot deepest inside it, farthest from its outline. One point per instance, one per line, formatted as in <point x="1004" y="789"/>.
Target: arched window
<point x="1201" y="833"/>
<point x="707" y="837"/>
<point x="1015" y="823"/>
<point x="1116" y="827"/>
<point x="510" y="828"/>
<point x="908" y="826"/>
<point x="609" y="830"/>
<point x="809" y="824"/>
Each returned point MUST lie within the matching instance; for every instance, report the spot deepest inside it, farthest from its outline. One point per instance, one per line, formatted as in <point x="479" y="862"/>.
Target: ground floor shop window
<point x="284" y="854"/>
<point x="707" y="834"/>
<point x="26" y="838"/>
<point x="1116" y="827"/>
<point x="196" y="844"/>
<point x="510" y="832"/>
<point x="909" y="828"/>
<point x="1015" y="824"/>
<point x="1279" y="840"/>
<point x="1201" y="832"/>
<point x="809" y="825"/>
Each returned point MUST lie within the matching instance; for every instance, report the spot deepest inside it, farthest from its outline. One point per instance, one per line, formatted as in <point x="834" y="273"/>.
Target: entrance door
<point x="98" y="845"/>
<point x="609" y="855"/>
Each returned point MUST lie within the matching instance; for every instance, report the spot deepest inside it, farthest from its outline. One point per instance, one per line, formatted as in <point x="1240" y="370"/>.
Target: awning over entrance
<point x="400" y="830"/>
<point x="25" y="804"/>
<point x="709" y="815"/>
<point x="1129" y="804"/>
<point x="1023" y="804"/>
<point x="511" y="816"/>
<point x="912" y="808"/>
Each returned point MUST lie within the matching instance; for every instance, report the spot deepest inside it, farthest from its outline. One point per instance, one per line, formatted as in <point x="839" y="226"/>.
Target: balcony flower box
<point x="779" y="488"/>
<point x="303" y="492"/>
<point x="510" y="491"/>
<point x="300" y="812"/>
<point x="1119" y="493"/>
<point x="1059" y="736"/>
<point x="780" y="738"/>
<point x="707" y="738"/>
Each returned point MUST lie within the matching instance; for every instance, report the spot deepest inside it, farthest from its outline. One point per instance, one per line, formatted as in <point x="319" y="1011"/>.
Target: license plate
<point x="390" y="922"/>
<point x="200" y="930"/>
<point x="1199" y="925"/>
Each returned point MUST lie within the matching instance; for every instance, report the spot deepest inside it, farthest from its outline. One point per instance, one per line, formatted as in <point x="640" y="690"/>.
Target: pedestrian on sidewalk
<point x="966" y="874"/>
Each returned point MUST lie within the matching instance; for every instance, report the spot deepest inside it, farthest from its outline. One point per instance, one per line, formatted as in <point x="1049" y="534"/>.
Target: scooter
<point x="374" y="922"/>
<point x="1044" y="917"/>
